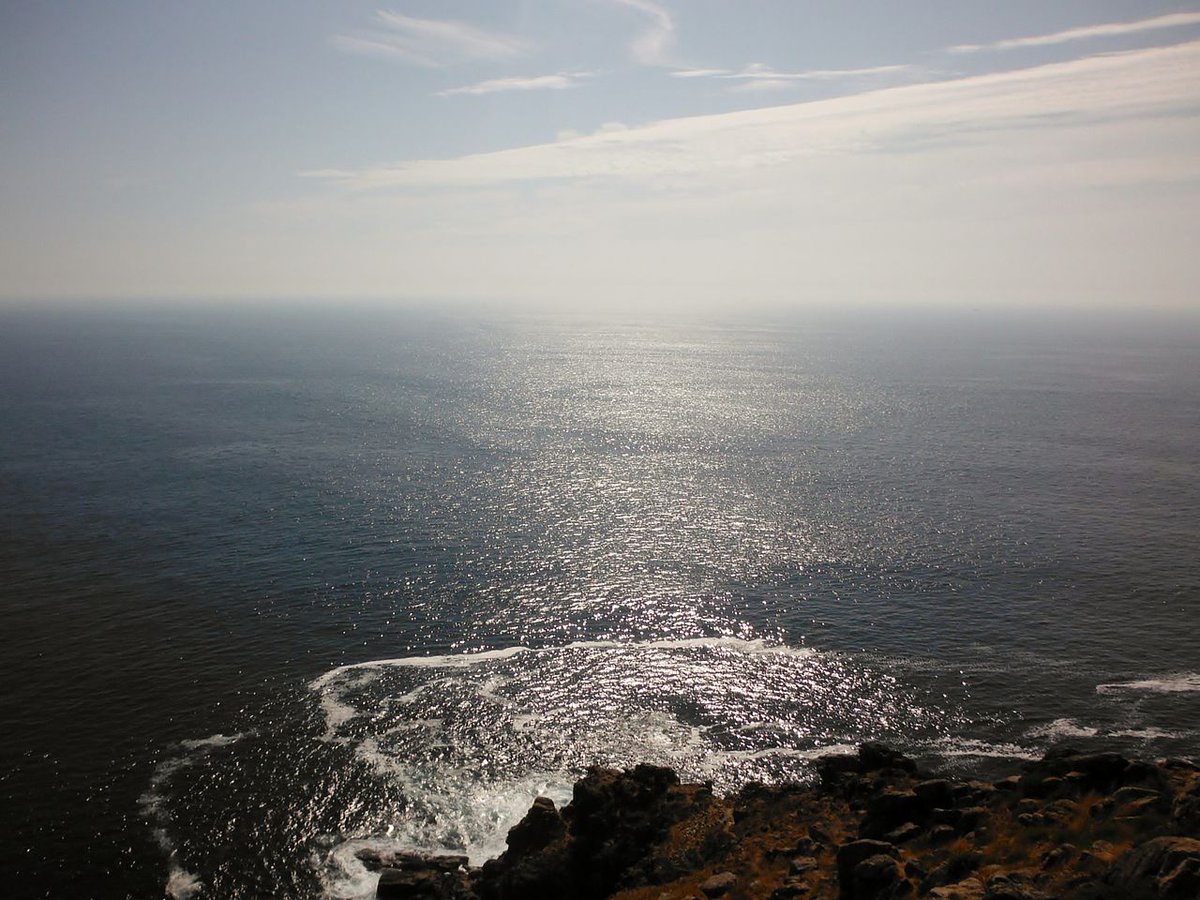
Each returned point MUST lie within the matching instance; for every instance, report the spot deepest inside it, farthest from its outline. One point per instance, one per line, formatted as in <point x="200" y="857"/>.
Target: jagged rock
<point x="969" y="889"/>
<point x="834" y="767"/>
<point x="838" y="770"/>
<point x="1132" y="792"/>
<point x="939" y="834"/>
<point x="1142" y="871"/>
<point x="1185" y="811"/>
<point x="1094" y="771"/>
<point x="973" y="792"/>
<point x="1058" y="856"/>
<point x="888" y="809"/>
<point x="879" y="877"/>
<point x="1060" y="811"/>
<point x="802" y="864"/>
<point x="424" y="879"/>
<point x="961" y="820"/>
<point x="791" y="889"/>
<point x="1140" y="807"/>
<point x="641" y="828"/>
<point x="905" y="833"/>
<point x="718" y="885"/>
<point x="1182" y="882"/>
<point x="541" y="826"/>
<point x="376" y="860"/>
<point x="953" y="870"/>
<point x="874" y="757"/>
<point x="820" y="835"/>
<point x="1040" y="785"/>
<point x="851" y="854"/>
<point x="1011" y="887"/>
<point x="935" y="793"/>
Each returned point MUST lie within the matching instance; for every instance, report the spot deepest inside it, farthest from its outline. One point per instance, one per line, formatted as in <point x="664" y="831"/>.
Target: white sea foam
<point x="1182" y="683"/>
<point x="212" y="742"/>
<point x="1061" y="729"/>
<point x="960" y="747"/>
<point x="1148" y="734"/>
<point x="152" y="804"/>
<point x="470" y="740"/>
<point x="182" y="885"/>
<point x="466" y="660"/>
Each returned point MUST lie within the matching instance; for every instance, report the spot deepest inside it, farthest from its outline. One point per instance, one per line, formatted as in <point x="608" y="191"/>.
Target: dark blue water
<point x="280" y="583"/>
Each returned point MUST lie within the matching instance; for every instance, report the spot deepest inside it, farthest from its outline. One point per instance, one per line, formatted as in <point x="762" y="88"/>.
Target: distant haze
<point x="604" y="153"/>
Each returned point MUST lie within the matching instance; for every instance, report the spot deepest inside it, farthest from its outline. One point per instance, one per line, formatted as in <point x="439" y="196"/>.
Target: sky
<point x="592" y="154"/>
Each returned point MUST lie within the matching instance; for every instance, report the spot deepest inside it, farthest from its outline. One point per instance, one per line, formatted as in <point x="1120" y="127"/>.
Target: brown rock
<point x="1140" y="871"/>
<point x="879" y="877"/>
<point x="935" y="792"/>
<point x="970" y="889"/>
<point x="718" y="885"/>
<point x="851" y="854"/>
<point x="904" y="833"/>
<point x="802" y="864"/>
<point x="1182" y="882"/>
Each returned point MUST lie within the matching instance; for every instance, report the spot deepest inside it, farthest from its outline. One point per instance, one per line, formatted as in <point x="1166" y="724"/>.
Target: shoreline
<point x="1097" y="826"/>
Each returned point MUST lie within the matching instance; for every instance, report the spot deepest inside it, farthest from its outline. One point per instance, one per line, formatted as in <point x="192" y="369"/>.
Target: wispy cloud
<point x="1104" y="88"/>
<point x="1075" y="182"/>
<point x="1085" y="33"/>
<point x="760" y="77"/>
<point x="558" y="81"/>
<point x="651" y="45"/>
<point x="700" y="73"/>
<point x="433" y="43"/>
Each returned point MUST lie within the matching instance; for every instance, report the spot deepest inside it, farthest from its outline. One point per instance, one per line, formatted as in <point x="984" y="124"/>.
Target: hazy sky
<point x="604" y="152"/>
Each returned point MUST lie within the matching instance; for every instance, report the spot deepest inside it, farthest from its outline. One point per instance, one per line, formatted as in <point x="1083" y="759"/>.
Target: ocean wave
<point x="182" y="885"/>
<point x="466" y="660"/>
<point x="1181" y="683"/>
<point x="966" y="747"/>
<point x="1061" y="729"/>
<point x="153" y="806"/>
<point x="470" y="740"/>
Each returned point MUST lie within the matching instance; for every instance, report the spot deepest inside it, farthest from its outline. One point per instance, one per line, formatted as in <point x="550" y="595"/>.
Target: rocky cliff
<point x="1096" y="826"/>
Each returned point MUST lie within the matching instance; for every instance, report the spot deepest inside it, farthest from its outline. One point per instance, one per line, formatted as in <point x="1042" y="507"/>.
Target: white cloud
<point x="700" y="73"/>
<point x="558" y="81"/>
<point x="1105" y="87"/>
<point x="432" y="42"/>
<point x="760" y="77"/>
<point x="1085" y="33"/>
<point x="651" y="45"/>
<point x="1073" y="183"/>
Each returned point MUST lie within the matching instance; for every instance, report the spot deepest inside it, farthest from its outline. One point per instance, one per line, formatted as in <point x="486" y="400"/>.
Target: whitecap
<point x="959" y="747"/>
<point x="1148" y="734"/>
<point x="182" y="885"/>
<point x="1182" y="683"/>
<point x="1062" y="729"/>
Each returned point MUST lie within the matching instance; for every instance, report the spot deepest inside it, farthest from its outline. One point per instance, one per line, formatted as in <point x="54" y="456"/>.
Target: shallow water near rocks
<point x="279" y="586"/>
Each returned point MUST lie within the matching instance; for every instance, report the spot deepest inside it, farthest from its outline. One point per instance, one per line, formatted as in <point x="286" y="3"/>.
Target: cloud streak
<point x="432" y="43"/>
<point x="1111" y="87"/>
<point x="1084" y="33"/>
<point x="761" y="77"/>
<point x="559" y="81"/>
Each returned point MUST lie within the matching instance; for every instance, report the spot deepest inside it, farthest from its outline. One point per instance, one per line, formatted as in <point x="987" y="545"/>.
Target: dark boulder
<point x="851" y="854"/>
<point x="879" y="877"/>
<point x="425" y="878"/>
<point x="1164" y="863"/>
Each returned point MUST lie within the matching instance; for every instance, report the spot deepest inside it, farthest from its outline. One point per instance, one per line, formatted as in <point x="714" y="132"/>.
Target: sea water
<point x="280" y="584"/>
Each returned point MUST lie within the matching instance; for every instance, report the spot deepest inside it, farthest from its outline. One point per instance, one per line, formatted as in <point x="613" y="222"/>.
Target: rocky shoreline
<point x="1072" y="825"/>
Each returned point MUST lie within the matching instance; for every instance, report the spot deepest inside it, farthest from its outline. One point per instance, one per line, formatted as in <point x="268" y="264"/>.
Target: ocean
<point x="280" y="583"/>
